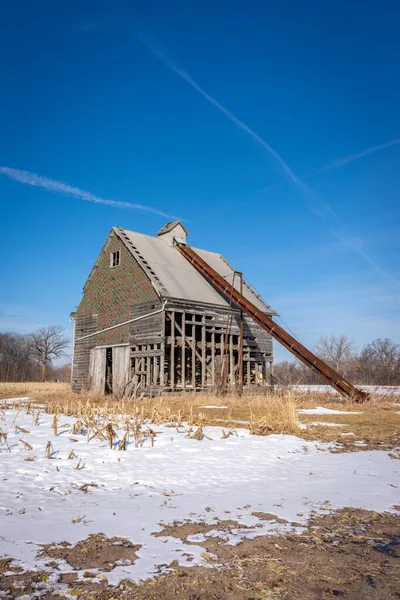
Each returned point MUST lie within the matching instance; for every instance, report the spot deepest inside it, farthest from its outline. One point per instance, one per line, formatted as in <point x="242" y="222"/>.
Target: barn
<point x="149" y="322"/>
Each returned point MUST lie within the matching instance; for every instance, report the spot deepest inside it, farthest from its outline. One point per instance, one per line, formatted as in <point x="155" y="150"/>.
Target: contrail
<point x="348" y="159"/>
<point x="59" y="187"/>
<point x="357" y="247"/>
<point x="176" y="69"/>
<point x="329" y="167"/>
<point x="316" y="206"/>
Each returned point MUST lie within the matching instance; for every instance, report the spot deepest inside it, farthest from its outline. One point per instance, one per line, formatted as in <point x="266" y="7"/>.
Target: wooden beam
<point x="213" y="359"/>
<point x="183" y="355"/>
<point x="172" y="353"/>
<point x="148" y="369"/>
<point x="240" y="357"/>
<point x="231" y="364"/>
<point x="162" y="358"/>
<point x="193" y="354"/>
<point x="192" y="344"/>
<point x="271" y="374"/>
<point x="203" y="351"/>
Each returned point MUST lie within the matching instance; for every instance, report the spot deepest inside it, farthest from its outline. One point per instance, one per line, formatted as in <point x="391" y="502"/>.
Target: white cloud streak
<point x="59" y="187"/>
<point x="176" y="69"/>
<point x="341" y="162"/>
<point x="322" y="210"/>
<point x="349" y="159"/>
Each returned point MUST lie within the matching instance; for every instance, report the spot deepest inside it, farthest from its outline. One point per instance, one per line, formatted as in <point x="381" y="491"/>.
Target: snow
<point x="178" y="479"/>
<point x="224" y="407"/>
<point x="321" y="410"/>
<point x="373" y="389"/>
<point x="326" y="424"/>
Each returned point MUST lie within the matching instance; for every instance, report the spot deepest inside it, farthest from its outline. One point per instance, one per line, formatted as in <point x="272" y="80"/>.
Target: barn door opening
<point x="109" y="371"/>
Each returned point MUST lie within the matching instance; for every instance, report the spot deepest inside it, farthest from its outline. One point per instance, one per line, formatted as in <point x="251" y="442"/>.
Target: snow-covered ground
<point x="373" y="389"/>
<point x="321" y="410"/>
<point x="178" y="479"/>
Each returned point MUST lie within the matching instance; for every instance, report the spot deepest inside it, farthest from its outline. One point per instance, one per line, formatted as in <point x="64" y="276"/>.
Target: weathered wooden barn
<point x="149" y="321"/>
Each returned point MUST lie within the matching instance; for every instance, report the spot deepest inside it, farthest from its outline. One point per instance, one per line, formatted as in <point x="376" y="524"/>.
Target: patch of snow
<point x="374" y="389"/>
<point x="232" y="421"/>
<point x="196" y="538"/>
<point x="179" y="479"/>
<point x="224" y="407"/>
<point x="326" y="424"/>
<point x="321" y="410"/>
<point x="11" y="400"/>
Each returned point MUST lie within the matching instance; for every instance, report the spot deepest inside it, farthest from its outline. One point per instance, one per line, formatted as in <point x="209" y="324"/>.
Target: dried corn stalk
<point x="49" y="450"/>
<point x="26" y="445"/>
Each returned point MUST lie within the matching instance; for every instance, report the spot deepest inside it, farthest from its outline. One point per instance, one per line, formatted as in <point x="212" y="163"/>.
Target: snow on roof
<point x="172" y="275"/>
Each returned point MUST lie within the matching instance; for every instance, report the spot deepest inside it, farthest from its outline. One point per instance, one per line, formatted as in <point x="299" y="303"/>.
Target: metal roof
<point x="173" y="276"/>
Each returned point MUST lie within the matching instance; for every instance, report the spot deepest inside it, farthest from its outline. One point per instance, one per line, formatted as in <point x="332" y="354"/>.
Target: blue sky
<point x="272" y="130"/>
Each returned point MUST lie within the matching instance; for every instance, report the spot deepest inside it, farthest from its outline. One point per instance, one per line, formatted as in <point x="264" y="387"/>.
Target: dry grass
<point x="263" y="414"/>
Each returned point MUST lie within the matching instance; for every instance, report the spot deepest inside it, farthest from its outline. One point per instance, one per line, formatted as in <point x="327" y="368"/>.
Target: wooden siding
<point x="120" y="369"/>
<point x="84" y="325"/>
<point x="97" y="370"/>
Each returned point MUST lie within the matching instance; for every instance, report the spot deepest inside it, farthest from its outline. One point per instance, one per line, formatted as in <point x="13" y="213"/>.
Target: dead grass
<point x="377" y="425"/>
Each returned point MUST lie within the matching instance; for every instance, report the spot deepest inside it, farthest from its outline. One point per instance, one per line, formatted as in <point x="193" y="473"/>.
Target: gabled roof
<point x="174" y="277"/>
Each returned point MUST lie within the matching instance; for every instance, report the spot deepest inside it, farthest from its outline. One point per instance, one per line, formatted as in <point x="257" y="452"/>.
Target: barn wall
<point x="84" y="325"/>
<point x="109" y="296"/>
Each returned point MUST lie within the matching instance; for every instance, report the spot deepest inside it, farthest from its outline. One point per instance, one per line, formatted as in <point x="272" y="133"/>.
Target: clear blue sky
<point x="90" y="97"/>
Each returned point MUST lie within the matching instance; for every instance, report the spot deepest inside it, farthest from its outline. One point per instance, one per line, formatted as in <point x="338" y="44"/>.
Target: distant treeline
<point x="30" y="357"/>
<point x="378" y="363"/>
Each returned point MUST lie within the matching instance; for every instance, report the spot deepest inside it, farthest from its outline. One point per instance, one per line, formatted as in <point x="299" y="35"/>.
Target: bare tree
<point x="47" y="344"/>
<point x="336" y="351"/>
<point x="379" y="362"/>
<point x="16" y="362"/>
<point x="62" y="374"/>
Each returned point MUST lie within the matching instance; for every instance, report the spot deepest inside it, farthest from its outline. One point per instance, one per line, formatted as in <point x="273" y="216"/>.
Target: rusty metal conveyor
<point x="328" y="374"/>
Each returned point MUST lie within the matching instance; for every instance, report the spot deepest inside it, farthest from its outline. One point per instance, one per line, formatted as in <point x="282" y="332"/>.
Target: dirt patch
<point x="5" y="564"/>
<point x="96" y="552"/>
<point x="183" y="530"/>
<point x="268" y="517"/>
<point x="348" y="554"/>
<point x="19" y="584"/>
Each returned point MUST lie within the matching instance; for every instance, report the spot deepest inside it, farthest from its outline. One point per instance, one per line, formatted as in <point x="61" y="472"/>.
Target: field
<point x="292" y="495"/>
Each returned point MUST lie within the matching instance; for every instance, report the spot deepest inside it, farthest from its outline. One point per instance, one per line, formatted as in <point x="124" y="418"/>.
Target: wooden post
<point x="213" y="358"/>
<point x="193" y="354"/>
<point x="264" y="371"/>
<point x="203" y="351"/>
<point x="183" y="355"/>
<point x="148" y="368"/>
<point x="172" y="354"/>
<point x="271" y="374"/>
<point x="231" y="363"/>
<point x="162" y="358"/>
<point x="240" y="361"/>
<point x="155" y="367"/>
<point x="222" y="369"/>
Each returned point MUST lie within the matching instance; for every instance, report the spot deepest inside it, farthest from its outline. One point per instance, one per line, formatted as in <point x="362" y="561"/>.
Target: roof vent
<point x="173" y="232"/>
